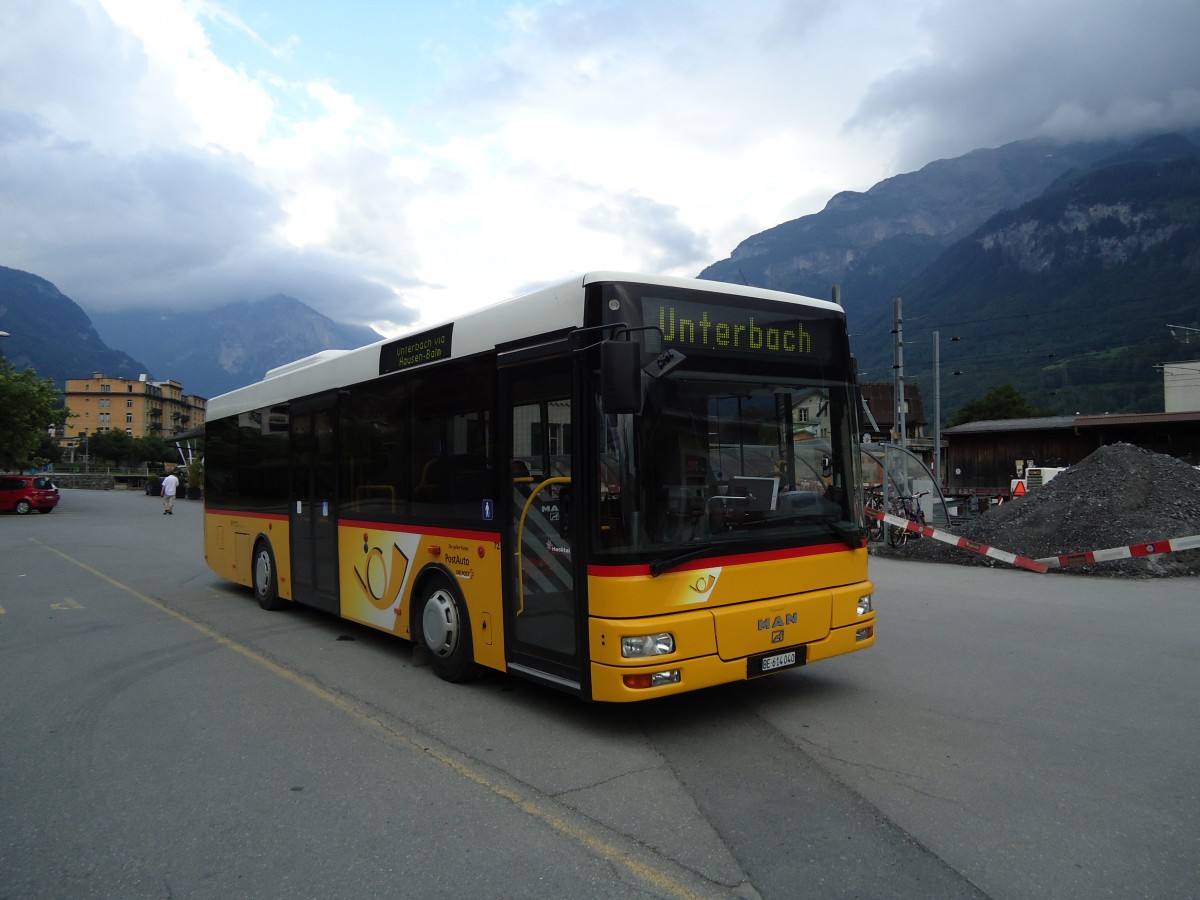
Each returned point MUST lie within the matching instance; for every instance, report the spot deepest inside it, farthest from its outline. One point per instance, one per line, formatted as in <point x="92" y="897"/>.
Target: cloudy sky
<point x="393" y="162"/>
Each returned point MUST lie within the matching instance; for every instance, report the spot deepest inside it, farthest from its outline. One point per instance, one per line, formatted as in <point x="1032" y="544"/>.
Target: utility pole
<point x="898" y="369"/>
<point x="937" y="408"/>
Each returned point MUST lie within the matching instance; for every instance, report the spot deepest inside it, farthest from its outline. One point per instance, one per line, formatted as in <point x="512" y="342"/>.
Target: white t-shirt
<point x="170" y="483"/>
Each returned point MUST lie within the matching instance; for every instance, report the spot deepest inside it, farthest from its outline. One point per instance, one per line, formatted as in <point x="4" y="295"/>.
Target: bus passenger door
<point x="542" y="608"/>
<point x="314" y="505"/>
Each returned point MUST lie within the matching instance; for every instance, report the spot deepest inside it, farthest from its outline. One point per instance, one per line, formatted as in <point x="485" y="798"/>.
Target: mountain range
<point x="207" y="352"/>
<point x="48" y="332"/>
<point x="217" y="350"/>
<point x="1052" y="267"/>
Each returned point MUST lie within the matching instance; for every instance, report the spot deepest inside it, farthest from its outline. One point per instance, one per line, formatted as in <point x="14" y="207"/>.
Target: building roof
<point x="1042" y="423"/>
<point x="1057" y="423"/>
<point x="1136" y="418"/>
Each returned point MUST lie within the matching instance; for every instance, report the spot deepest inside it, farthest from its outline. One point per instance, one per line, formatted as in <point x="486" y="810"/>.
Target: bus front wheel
<point x="266" y="580"/>
<point x="445" y="631"/>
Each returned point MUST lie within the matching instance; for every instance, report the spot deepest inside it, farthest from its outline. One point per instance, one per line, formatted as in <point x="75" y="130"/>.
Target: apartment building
<point x="138" y="407"/>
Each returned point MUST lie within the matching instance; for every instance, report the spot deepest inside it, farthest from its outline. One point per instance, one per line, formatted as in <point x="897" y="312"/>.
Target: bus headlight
<point x="639" y="646"/>
<point x="865" y="604"/>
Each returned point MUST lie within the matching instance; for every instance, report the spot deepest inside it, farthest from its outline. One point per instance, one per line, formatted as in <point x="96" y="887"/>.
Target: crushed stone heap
<point x="1118" y="496"/>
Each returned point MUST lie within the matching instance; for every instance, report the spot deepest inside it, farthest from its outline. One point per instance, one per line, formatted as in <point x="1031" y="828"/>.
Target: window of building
<point x="105" y="388"/>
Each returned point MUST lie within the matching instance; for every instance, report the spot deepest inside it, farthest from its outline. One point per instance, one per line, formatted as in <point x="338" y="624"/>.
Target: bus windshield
<point x="729" y="465"/>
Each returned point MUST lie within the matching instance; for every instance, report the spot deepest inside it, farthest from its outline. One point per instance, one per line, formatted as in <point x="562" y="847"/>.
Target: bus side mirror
<point x="620" y="377"/>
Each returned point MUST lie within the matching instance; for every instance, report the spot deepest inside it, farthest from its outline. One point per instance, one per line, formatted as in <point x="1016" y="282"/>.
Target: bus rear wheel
<point x="445" y="632"/>
<point x="266" y="580"/>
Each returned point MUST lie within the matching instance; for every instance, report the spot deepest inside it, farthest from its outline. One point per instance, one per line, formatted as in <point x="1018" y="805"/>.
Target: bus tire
<point x="266" y="577"/>
<point x="444" y="630"/>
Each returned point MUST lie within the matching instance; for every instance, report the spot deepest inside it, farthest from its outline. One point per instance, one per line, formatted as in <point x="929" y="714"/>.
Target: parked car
<point x="25" y="493"/>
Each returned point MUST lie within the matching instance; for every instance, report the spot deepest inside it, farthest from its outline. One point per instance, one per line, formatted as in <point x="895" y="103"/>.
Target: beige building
<point x="139" y="407"/>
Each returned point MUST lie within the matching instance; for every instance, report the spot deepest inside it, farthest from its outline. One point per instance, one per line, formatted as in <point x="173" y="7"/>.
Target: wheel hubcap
<point x="262" y="573"/>
<point x="440" y="623"/>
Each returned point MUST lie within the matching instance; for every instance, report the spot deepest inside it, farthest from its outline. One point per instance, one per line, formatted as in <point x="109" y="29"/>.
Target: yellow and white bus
<point x="620" y="486"/>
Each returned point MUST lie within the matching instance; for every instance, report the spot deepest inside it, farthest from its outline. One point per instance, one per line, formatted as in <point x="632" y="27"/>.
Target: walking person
<point x="169" y="486"/>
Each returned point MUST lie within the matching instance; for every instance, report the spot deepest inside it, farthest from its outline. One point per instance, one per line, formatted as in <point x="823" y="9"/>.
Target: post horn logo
<point x="380" y="580"/>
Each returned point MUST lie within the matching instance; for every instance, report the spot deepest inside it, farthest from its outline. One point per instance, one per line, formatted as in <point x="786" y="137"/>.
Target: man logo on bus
<point x="380" y="580"/>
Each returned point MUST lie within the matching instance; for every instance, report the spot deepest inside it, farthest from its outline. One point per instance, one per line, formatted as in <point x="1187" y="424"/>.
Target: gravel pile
<point x="1119" y="496"/>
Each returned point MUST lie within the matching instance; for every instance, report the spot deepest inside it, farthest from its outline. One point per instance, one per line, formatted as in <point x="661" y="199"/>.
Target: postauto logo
<point x="379" y="576"/>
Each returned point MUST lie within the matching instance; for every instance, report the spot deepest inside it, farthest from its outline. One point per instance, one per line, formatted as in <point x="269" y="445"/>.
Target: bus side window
<point x="434" y="483"/>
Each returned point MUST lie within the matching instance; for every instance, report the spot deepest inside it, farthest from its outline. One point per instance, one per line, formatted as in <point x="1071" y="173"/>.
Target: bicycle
<point x="875" y="527"/>
<point x="906" y="508"/>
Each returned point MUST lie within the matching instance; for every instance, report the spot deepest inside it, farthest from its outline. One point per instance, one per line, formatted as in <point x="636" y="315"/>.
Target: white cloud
<point x="140" y="167"/>
<point x="1072" y="69"/>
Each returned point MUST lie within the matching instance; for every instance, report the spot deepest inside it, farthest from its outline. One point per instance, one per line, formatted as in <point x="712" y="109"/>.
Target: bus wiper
<point x="658" y="566"/>
<point x="851" y="536"/>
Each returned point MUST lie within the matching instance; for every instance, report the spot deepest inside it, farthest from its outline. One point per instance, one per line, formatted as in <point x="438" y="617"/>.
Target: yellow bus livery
<point x="620" y="486"/>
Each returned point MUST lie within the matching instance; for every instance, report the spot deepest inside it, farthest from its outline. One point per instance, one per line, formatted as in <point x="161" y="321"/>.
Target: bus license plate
<point x="773" y="662"/>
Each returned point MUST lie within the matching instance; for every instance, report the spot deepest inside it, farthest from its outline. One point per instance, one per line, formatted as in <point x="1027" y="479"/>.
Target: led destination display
<point x="741" y="331"/>
<point x="413" y="350"/>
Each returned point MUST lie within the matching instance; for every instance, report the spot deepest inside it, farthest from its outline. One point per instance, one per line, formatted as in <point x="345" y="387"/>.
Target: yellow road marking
<point x="604" y="849"/>
<point x="68" y="603"/>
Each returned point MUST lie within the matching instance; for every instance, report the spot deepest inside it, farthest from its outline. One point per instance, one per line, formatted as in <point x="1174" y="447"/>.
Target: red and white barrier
<point x="1024" y="562"/>
<point x="1132" y="551"/>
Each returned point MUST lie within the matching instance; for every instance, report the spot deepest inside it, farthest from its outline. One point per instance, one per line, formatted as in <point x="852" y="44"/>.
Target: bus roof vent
<point x="297" y="365"/>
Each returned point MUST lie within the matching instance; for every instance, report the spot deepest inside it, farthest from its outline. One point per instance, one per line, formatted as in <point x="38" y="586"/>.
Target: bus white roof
<point x="552" y="308"/>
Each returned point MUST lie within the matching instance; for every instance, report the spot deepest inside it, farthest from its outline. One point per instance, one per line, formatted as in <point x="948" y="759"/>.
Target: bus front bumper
<point x="626" y="684"/>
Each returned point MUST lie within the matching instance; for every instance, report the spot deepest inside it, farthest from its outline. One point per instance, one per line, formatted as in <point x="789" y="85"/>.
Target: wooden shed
<point x="983" y="457"/>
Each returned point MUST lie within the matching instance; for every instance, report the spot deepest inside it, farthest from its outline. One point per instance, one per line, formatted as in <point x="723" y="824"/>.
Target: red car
<point x="25" y="493"/>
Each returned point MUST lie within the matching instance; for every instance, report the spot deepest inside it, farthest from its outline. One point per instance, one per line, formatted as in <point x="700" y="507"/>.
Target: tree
<point x="153" y="449"/>
<point x="114" y="446"/>
<point x="49" y="450"/>
<point x="29" y="406"/>
<point x="1003" y="402"/>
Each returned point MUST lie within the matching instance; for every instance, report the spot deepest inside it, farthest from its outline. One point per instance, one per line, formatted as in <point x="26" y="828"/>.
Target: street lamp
<point x="937" y="405"/>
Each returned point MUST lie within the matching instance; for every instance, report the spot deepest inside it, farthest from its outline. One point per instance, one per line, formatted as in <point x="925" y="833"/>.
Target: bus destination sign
<point x="741" y="331"/>
<point x="416" y="349"/>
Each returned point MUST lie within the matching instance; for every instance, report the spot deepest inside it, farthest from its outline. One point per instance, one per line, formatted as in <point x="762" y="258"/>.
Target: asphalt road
<point x="1010" y="735"/>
